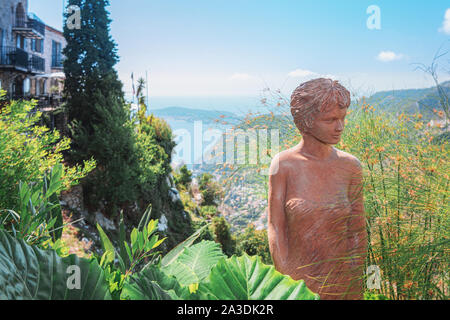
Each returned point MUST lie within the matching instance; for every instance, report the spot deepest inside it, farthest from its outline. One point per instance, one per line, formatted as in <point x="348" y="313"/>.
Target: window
<point x="56" y="55"/>
<point x="37" y="45"/>
<point x="2" y="44"/>
<point x="56" y="48"/>
<point x="20" y="16"/>
<point x="43" y="86"/>
<point x="26" y="86"/>
<point x="20" y="42"/>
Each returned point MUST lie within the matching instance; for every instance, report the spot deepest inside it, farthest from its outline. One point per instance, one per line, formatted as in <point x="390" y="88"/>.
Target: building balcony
<point x="14" y="58"/>
<point x="28" y="27"/>
<point x="37" y="64"/>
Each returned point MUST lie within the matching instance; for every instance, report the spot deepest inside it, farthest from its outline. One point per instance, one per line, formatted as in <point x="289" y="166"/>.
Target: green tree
<point x="99" y="118"/>
<point x="254" y="243"/>
<point x="222" y="235"/>
<point x="154" y="148"/>
<point x="183" y="178"/>
<point x="211" y="191"/>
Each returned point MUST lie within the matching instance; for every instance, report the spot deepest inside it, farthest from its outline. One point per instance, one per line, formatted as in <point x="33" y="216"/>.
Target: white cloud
<point x="446" y="24"/>
<point x="242" y="77"/>
<point x="330" y="76"/>
<point x="387" y="56"/>
<point x="300" y="73"/>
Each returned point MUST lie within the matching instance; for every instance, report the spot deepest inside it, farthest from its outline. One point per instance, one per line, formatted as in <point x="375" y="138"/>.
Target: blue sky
<point x="236" y="48"/>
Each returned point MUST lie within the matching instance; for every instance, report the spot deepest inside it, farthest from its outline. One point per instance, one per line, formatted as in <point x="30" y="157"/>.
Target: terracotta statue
<point x="316" y="223"/>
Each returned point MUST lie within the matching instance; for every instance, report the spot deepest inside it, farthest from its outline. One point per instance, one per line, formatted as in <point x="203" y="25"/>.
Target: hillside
<point x="410" y="101"/>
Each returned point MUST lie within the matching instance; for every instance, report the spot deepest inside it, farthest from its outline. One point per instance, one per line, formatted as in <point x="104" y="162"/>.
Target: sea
<point x="197" y="137"/>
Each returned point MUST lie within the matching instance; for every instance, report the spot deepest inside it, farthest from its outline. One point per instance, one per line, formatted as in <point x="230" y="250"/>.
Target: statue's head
<point x="319" y="107"/>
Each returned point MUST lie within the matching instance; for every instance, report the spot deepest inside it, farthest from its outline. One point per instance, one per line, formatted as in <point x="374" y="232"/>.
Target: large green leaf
<point x="29" y="273"/>
<point x="153" y="284"/>
<point x="247" y="278"/>
<point x="173" y="254"/>
<point x="195" y="262"/>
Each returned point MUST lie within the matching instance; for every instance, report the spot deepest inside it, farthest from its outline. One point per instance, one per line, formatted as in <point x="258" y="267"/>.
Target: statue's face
<point x="329" y="125"/>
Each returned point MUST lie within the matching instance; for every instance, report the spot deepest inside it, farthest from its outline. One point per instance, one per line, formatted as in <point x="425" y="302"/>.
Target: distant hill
<point x="188" y="114"/>
<point x="410" y="100"/>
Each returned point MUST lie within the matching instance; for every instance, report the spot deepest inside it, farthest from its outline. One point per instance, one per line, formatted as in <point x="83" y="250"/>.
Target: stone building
<point x="30" y="55"/>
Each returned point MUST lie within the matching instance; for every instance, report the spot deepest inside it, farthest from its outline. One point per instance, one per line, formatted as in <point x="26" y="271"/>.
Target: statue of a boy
<point x="316" y="223"/>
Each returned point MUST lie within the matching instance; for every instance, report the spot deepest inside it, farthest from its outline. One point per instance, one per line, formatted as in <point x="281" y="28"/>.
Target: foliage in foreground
<point x="27" y="272"/>
<point x="38" y="217"/>
<point x="188" y="271"/>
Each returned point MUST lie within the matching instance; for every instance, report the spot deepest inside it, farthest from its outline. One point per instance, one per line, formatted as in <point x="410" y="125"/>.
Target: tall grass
<point x="406" y="201"/>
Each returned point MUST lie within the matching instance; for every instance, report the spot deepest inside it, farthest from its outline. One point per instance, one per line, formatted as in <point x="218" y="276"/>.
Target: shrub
<point x="153" y="153"/>
<point x="254" y="242"/>
<point x="211" y="190"/>
<point x="222" y="234"/>
<point x="28" y="150"/>
<point x="183" y="178"/>
<point x="38" y="217"/>
<point x="208" y="212"/>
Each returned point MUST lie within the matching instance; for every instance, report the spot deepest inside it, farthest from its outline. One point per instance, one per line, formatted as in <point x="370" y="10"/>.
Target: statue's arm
<point x="276" y="226"/>
<point x="357" y="233"/>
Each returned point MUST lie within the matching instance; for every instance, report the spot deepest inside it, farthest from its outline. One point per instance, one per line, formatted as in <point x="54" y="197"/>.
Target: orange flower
<point x="378" y="221"/>
<point x="408" y="285"/>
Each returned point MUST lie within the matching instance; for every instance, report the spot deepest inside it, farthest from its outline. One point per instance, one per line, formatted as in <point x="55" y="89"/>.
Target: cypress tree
<point x="98" y="115"/>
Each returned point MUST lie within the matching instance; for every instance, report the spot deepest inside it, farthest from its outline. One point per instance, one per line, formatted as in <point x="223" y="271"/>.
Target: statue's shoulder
<point x="282" y="161"/>
<point x="348" y="159"/>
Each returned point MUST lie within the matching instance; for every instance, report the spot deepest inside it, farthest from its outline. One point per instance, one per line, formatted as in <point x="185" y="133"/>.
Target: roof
<point x="54" y="30"/>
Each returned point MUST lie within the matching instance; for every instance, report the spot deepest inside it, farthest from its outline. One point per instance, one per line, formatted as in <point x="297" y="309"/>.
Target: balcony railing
<point x="37" y="64"/>
<point x="14" y="57"/>
<point x="29" y="27"/>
